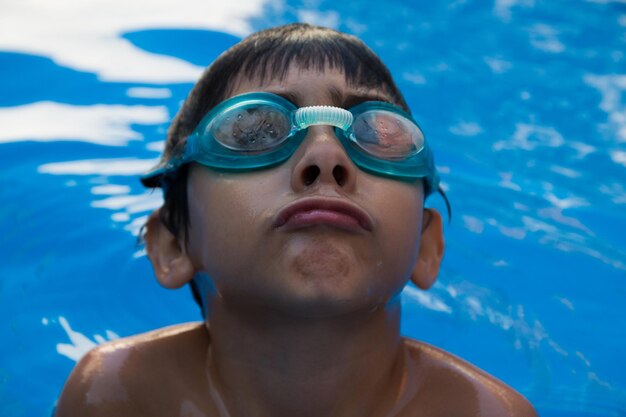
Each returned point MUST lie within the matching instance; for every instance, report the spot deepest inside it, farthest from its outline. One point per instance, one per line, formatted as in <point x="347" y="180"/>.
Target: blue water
<point x="524" y="103"/>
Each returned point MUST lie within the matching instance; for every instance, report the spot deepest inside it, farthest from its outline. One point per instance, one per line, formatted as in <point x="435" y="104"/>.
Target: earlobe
<point x="170" y="261"/>
<point x="431" y="251"/>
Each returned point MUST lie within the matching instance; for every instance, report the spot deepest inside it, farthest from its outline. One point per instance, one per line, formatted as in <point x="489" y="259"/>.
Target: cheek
<point x="400" y="228"/>
<point x="227" y="216"/>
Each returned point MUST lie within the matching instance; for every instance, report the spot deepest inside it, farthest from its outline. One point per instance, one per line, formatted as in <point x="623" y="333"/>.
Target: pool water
<point x="523" y="101"/>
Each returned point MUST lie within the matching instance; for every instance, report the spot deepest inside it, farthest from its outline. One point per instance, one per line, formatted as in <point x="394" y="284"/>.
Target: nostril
<point x="310" y="174"/>
<point x="340" y="174"/>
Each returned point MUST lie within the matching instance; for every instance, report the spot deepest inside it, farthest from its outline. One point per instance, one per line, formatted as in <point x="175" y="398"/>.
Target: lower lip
<point x="323" y="217"/>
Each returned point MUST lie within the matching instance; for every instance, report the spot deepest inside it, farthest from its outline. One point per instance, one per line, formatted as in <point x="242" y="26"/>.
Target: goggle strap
<point x="323" y="115"/>
<point x="191" y="146"/>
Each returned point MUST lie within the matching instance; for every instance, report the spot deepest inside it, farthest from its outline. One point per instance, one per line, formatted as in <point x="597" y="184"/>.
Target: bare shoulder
<point x="461" y="387"/>
<point x="117" y="378"/>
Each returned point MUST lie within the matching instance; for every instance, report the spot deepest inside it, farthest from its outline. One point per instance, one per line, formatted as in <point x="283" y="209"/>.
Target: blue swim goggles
<point x="260" y="130"/>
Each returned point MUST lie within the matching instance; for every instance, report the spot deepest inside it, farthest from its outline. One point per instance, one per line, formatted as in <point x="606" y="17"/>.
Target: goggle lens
<point x="386" y="135"/>
<point x="251" y="127"/>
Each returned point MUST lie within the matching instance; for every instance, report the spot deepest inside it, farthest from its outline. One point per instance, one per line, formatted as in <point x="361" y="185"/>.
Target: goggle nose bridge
<point x="322" y="115"/>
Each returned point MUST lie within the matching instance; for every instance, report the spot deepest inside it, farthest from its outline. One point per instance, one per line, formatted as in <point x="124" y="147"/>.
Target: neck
<point x="262" y="363"/>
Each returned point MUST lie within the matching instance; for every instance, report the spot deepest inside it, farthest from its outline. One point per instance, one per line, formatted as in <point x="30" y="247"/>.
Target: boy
<point x="296" y="226"/>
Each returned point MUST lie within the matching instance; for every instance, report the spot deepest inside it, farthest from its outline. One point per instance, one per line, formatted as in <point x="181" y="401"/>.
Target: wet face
<point x="314" y="236"/>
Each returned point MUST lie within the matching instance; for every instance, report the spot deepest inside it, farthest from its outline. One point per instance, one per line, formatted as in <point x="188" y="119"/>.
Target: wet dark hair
<point x="263" y="56"/>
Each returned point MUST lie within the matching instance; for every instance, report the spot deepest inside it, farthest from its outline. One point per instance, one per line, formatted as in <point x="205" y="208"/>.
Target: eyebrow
<point x="352" y="100"/>
<point x="338" y="98"/>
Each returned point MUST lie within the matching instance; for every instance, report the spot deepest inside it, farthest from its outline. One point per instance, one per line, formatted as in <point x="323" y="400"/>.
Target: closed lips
<point x="323" y="211"/>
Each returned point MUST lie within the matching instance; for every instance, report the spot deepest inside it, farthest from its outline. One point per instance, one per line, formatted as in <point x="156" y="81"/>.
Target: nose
<point x="322" y="160"/>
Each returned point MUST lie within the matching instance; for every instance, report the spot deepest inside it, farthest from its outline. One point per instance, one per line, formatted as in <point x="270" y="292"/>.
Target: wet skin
<point x="306" y="262"/>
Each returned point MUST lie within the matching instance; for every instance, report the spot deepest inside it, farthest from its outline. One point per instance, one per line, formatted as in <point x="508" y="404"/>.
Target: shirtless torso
<point x="163" y="373"/>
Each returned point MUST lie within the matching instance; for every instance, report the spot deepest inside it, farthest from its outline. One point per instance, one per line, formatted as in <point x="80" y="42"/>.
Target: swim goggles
<point x="260" y="130"/>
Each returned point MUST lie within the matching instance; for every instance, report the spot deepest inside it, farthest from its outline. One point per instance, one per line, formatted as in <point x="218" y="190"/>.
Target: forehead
<point x="308" y="87"/>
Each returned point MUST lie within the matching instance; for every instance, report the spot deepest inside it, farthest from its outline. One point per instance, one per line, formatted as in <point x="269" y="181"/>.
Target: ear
<point x="170" y="261"/>
<point x="431" y="250"/>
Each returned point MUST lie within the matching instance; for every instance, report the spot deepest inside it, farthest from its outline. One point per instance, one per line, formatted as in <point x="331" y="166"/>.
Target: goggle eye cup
<point x="386" y="135"/>
<point x="251" y="127"/>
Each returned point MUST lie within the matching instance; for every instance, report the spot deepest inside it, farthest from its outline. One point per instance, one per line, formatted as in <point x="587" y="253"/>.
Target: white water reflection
<point x="132" y="203"/>
<point x="582" y="149"/>
<point x="497" y="64"/>
<point x="502" y="8"/>
<point x="158" y="146"/>
<point x="464" y="128"/>
<point x="102" y="124"/>
<point x="566" y="172"/>
<point x="612" y="87"/>
<point x="147" y="92"/>
<point x="79" y="344"/>
<point x="615" y="191"/>
<point x="125" y="207"/>
<point x="85" y="35"/>
<point x="426" y="299"/>
<point x="545" y="38"/>
<point x="526" y="333"/>
<point x="530" y="136"/>
<point x="120" y="166"/>
<point x="316" y="17"/>
<point x="473" y="224"/>
<point x="619" y="157"/>
<point x="129" y="209"/>
<point x="110" y="189"/>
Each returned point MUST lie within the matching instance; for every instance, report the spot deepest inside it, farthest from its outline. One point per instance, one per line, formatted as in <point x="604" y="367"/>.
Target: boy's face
<point x="322" y="261"/>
